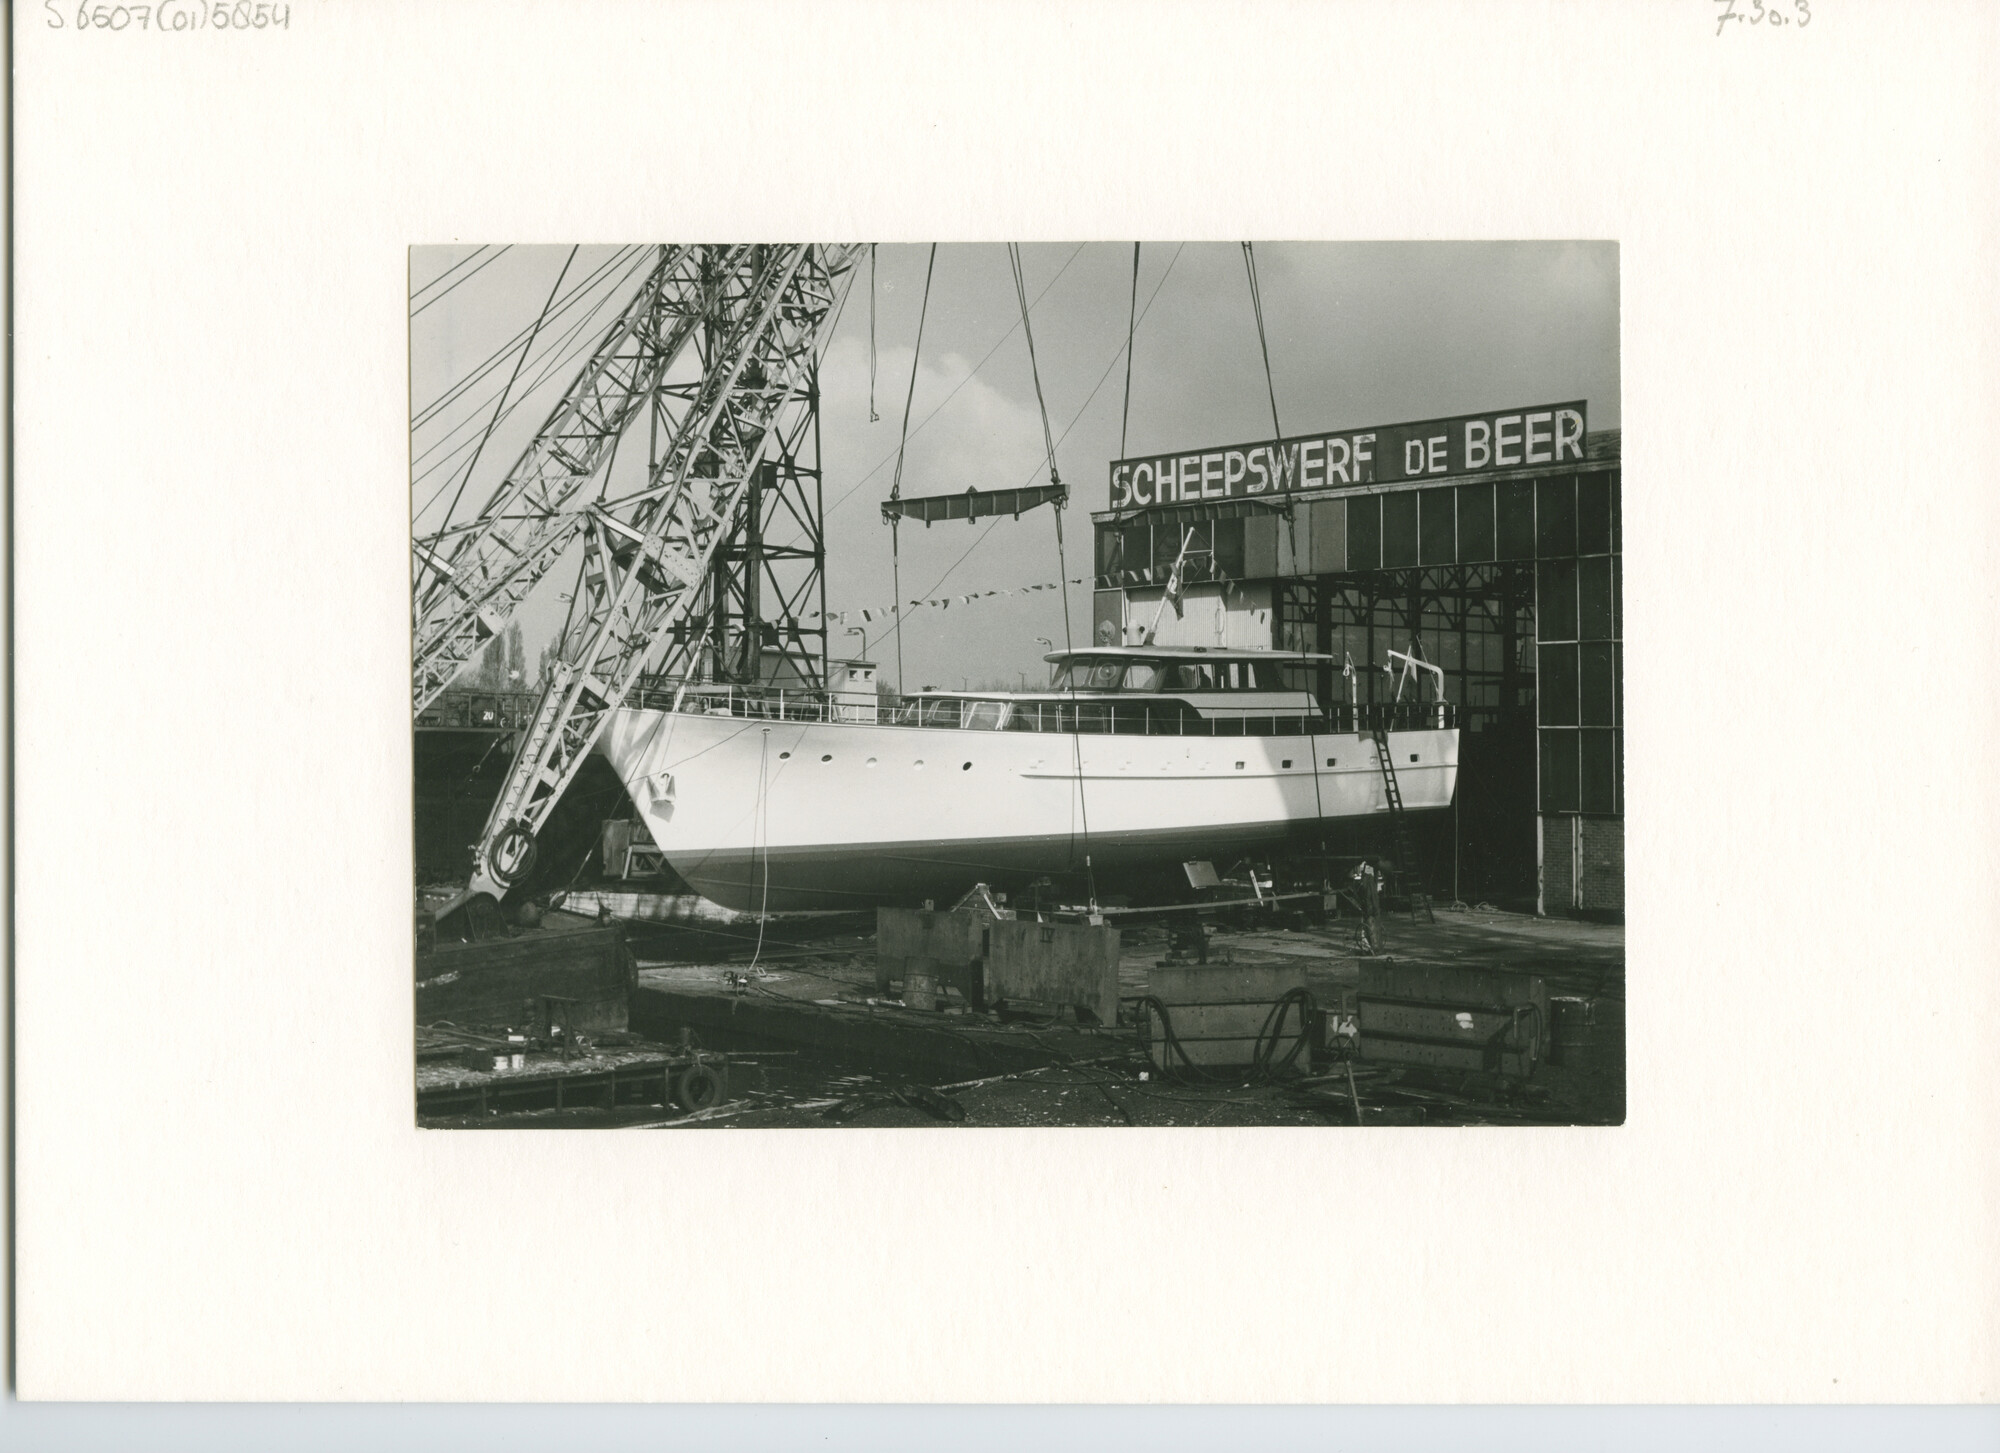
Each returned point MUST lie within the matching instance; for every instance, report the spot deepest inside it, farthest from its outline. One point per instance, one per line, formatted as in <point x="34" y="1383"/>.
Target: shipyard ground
<point x="810" y="1041"/>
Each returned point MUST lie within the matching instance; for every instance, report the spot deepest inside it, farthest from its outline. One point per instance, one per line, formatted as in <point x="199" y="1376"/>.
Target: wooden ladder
<point x="1408" y="876"/>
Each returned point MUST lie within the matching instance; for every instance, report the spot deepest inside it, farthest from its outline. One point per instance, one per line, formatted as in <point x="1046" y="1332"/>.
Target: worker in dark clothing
<point x="1368" y="895"/>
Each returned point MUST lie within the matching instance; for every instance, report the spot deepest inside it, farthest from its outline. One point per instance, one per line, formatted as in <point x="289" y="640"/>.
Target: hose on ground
<point x="1263" y="1065"/>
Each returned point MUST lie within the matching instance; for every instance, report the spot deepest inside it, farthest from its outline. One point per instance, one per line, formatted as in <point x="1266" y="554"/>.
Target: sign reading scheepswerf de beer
<point x="1543" y="434"/>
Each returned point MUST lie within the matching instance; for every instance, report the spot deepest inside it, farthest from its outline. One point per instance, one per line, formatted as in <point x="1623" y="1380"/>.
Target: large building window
<point x="1475" y="522"/>
<point x="1440" y="526"/>
<point x="1399" y="528"/>
<point x="1512" y="587"/>
<point x="1514" y="520"/>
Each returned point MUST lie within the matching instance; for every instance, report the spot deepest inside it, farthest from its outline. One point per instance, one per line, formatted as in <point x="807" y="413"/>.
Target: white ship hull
<point x="791" y="815"/>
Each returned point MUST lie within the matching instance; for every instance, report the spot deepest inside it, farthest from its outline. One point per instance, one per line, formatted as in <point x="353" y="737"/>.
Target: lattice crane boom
<point x="468" y="581"/>
<point x="755" y="317"/>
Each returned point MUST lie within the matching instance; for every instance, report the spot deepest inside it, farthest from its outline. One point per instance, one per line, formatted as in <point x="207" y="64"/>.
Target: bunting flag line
<point x="871" y="614"/>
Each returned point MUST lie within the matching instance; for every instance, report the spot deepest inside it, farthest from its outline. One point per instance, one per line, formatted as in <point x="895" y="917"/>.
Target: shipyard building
<point x="1490" y="541"/>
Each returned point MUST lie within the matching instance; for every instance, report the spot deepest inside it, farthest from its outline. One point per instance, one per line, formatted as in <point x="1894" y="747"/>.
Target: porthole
<point x="871" y="761"/>
<point x="966" y="768"/>
<point x="828" y="757"/>
<point x="783" y="755"/>
<point x="920" y="764"/>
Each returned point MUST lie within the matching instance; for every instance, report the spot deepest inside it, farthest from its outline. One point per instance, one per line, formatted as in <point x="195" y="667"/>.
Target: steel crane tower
<point x="718" y="349"/>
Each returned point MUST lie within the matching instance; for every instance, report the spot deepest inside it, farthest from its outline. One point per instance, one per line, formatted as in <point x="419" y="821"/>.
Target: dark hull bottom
<point x="861" y="875"/>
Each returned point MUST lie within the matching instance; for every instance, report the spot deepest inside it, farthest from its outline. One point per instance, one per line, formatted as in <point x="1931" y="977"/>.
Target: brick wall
<point x="1602" y="876"/>
<point x="1583" y="864"/>
<point x="1558" y="843"/>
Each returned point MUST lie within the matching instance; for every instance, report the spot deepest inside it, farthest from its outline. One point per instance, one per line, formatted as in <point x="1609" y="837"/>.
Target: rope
<point x="1062" y="559"/>
<point x="1075" y="737"/>
<point x="566" y="349"/>
<point x="1257" y="307"/>
<point x="896" y="584"/>
<point x="466" y="279"/>
<point x="763" y="815"/>
<point x="1034" y="368"/>
<point x="1029" y="477"/>
<point x="916" y="353"/>
<point x="895" y="559"/>
<point x="418" y="292"/>
<point x="492" y="361"/>
<point x="1131" y="328"/>
<point x="512" y="379"/>
<point x="938" y="408"/>
<point x="873" y="417"/>
<point x="555" y="356"/>
<point x="902" y="447"/>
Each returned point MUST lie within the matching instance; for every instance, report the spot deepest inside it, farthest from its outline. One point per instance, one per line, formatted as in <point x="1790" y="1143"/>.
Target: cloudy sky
<point x="1360" y="333"/>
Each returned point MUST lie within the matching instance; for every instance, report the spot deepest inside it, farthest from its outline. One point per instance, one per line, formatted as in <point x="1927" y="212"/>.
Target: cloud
<point x="1359" y="333"/>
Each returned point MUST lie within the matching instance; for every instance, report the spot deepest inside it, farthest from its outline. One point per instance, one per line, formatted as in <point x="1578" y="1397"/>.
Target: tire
<point x="699" y="1087"/>
<point x="512" y="854"/>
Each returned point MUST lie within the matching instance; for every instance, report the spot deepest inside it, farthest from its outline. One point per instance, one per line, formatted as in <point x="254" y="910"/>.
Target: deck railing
<point x="1089" y="717"/>
<point x="1174" y="719"/>
<point x="763" y="703"/>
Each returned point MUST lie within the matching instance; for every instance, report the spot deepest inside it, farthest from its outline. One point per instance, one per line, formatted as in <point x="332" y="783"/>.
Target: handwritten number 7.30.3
<point x="1756" y="12"/>
<point x="172" y="15"/>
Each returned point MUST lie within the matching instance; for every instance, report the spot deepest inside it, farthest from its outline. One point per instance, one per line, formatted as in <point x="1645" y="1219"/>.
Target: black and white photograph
<point x="968" y="685"/>
<point x="1092" y="634"/>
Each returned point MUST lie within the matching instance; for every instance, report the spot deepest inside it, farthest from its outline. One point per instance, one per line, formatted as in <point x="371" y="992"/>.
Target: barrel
<point x="1573" y="1033"/>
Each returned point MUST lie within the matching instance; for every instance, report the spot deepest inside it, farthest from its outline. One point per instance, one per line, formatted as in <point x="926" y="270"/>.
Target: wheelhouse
<point x="1138" y="669"/>
<point x="1145" y="692"/>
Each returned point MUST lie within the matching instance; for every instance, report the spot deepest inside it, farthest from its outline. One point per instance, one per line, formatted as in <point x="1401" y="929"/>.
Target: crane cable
<point x="1055" y="480"/>
<point x="499" y="410"/>
<point x="873" y="417"/>
<point x="467" y="278"/>
<point x="938" y="407"/>
<point x="464" y="261"/>
<point x="896" y="485"/>
<point x="1271" y="387"/>
<point x="1131" y="328"/>
<point x="1257" y="307"/>
<point x="554" y="356"/>
<point x="494" y="359"/>
<point x="1070" y="428"/>
<point x="1034" y="369"/>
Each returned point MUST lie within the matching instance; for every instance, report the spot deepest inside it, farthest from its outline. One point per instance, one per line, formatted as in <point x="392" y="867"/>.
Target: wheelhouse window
<point x="1222" y="676"/>
<point x="1123" y="674"/>
<point x="1088" y="675"/>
